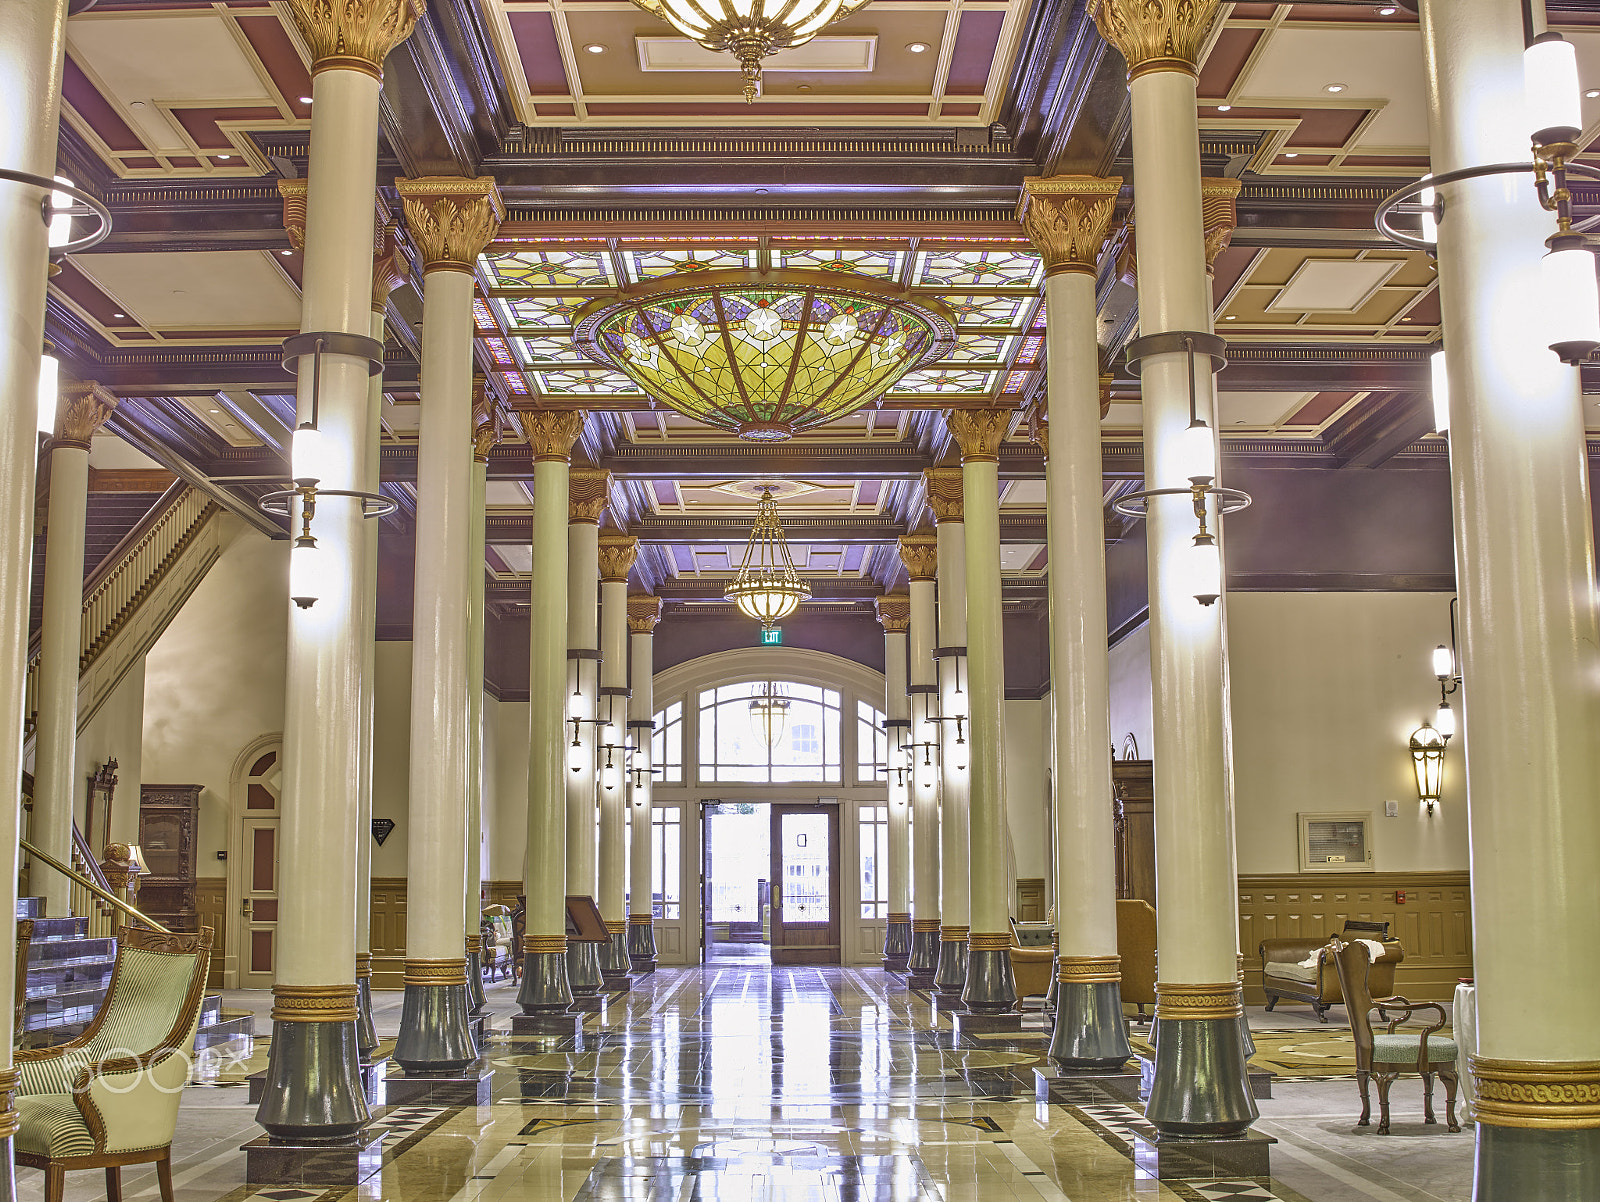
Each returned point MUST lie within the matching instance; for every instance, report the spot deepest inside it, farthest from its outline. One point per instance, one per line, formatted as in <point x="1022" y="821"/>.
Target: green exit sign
<point x="772" y="637"/>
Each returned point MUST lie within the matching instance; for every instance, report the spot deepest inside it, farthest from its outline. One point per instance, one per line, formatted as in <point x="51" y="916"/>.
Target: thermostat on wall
<point x="1391" y="809"/>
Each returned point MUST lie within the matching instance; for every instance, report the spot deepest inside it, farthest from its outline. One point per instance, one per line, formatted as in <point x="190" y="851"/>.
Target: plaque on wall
<point x="382" y="828"/>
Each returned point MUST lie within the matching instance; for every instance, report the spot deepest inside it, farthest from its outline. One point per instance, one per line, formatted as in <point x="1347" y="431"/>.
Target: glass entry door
<point x="805" y="884"/>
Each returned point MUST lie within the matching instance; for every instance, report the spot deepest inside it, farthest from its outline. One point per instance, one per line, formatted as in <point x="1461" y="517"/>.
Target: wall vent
<point x="1339" y="842"/>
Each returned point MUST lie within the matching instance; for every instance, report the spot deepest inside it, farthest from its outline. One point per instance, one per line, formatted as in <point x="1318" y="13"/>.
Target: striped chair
<point x="110" y="1097"/>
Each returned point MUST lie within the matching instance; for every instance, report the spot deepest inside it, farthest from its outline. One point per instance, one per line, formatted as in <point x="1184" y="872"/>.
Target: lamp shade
<point x="306" y="456"/>
<point x="307" y="571"/>
<point x="60" y="221"/>
<point x="1197" y="453"/>
<point x="1204" y="568"/>
<point x="1550" y="90"/>
<point x="49" y="386"/>
<point x="1445" y="721"/>
<point x="1427" y="759"/>
<point x="1444" y="663"/>
<point x="1441" y="392"/>
<point x="1571" y="293"/>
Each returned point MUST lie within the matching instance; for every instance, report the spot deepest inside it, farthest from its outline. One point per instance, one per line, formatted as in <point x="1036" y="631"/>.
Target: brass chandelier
<point x="750" y="29"/>
<point x="764" y="354"/>
<point x="767" y="588"/>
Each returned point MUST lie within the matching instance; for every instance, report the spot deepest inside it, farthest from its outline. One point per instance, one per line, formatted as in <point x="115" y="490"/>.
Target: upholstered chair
<point x="1136" y="944"/>
<point x="1302" y="969"/>
<point x="1385" y="1055"/>
<point x="110" y="1097"/>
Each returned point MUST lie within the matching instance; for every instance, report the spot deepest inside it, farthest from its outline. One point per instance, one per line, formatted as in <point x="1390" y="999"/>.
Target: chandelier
<point x="769" y="711"/>
<point x="764" y="354"/>
<point x="767" y="588"/>
<point x="750" y="29"/>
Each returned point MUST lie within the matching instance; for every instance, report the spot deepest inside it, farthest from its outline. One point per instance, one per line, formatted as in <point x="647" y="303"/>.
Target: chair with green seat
<point x="1386" y="1055"/>
<point x="110" y="1097"/>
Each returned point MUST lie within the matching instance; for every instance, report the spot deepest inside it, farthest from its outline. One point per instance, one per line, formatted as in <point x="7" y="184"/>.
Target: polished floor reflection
<point x="722" y="1083"/>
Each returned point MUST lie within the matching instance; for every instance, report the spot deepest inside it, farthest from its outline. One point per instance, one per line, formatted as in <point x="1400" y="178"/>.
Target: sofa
<point x="1303" y="970"/>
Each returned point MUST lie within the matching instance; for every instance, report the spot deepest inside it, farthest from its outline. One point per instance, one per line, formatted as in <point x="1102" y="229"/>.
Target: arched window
<point x="872" y="745"/>
<point x="737" y="745"/>
<point x="666" y="744"/>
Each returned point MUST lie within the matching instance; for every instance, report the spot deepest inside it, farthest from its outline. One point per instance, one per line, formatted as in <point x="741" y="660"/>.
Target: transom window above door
<point x="788" y="733"/>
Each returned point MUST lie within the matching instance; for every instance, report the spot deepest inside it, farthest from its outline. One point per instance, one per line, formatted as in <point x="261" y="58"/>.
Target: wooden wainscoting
<point x="211" y="905"/>
<point x="388" y="932"/>
<point x="1434" y="925"/>
<point x="1030" y="899"/>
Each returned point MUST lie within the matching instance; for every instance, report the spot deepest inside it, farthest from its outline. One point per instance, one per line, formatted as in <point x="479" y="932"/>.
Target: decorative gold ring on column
<point x="363" y="965"/>
<point x="1187" y="1001"/>
<point x="641" y="920"/>
<point x="544" y="945"/>
<point x="9" y="1120"/>
<point x="617" y="928"/>
<point x="314" y="1003"/>
<point x="954" y="934"/>
<point x="925" y="924"/>
<point x="1089" y="970"/>
<point x="1155" y="37"/>
<point x="1536" y="1093"/>
<point x="989" y="942"/>
<point x="436" y="972"/>
<point x="899" y="918"/>
<point x="474" y="945"/>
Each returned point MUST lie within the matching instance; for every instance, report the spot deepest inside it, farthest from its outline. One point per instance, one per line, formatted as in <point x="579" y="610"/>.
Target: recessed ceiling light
<point x="213" y="411"/>
<point x="223" y="158"/>
<point x="1224" y="108"/>
<point x="136" y="105"/>
<point x="305" y="100"/>
<point x="802" y="87"/>
<point x="1291" y="155"/>
<point x="286" y="252"/>
<point x="1593" y="93"/>
<point x="1386" y="11"/>
<point x="1334" y="87"/>
<point x="917" y="47"/>
<point x="119" y="315"/>
<point x="1230" y="317"/>
<point x="595" y="48"/>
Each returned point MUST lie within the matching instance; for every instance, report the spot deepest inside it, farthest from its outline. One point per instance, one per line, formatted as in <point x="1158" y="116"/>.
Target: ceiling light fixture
<point x="764" y="354"/>
<point x="1386" y="11"/>
<point x="1334" y="87"/>
<point x="305" y="100"/>
<point x="1592" y="93"/>
<point x="769" y="711"/>
<point x="116" y="315"/>
<point x="750" y="29"/>
<point x="1289" y="154"/>
<point x="286" y="252"/>
<point x="1568" y="286"/>
<point x="1224" y="108"/>
<point x="595" y="48"/>
<point x="917" y="47"/>
<point x="766" y="587"/>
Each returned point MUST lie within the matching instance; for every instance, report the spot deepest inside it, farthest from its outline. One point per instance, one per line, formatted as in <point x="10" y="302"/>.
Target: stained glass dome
<point x="765" y="354"/>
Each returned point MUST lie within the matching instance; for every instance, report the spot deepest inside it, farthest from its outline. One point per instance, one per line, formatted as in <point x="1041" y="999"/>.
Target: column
<point x="919" y="551"/>
<point x="950" y="671"/>
<point x="485" y="434"/>
<point x="32" y="42"/>
<point x="1068" y="219"/>
<point x="451" y="220"/>
<point x="1200" y="1089"/>
<point x="313" y="1090"/>
<point x="589" y="493"/>
<point x="991" y="989"/>
<point x="617" y="553"/>
<point x="546" y="995"/>
<point x="82" y="409"/>
<point x="644" y="611"/>
<point x="1525" y="573"/>
<point x="894" y="615"/>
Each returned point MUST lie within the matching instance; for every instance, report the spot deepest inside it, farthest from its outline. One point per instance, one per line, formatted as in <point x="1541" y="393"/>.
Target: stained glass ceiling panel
<point x="885" y="264"/>
<point x="540" y="312"/>
<point x="565" y="267"/>
<point x="652" y="262"/>
<point x="990" y="268"/>
<point x="550" y="350"/>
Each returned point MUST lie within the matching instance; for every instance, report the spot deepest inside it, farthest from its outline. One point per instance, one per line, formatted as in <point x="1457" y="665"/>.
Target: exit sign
<point x="772" y="637"/>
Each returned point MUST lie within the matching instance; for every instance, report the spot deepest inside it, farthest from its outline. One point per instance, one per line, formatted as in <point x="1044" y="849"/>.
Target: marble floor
<point x="740" y="1082"/>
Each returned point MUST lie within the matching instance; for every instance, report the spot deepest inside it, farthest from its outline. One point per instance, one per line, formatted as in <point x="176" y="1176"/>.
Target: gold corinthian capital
<point x="354" y="35"/>
<point x="82" y="410"/>
<point x="618" y="551"/>
<point x="551" y="432"/>
<point x="1156" y="35"/>
<point x="644" y="611"/>
<point x="919" y="551"/>
<point x="894" y="612"/>
<point x="1219" y="214"/>
<point x="451" y="218"/>
<point x="1068" y="217"/>
<point x="979" y="432"/>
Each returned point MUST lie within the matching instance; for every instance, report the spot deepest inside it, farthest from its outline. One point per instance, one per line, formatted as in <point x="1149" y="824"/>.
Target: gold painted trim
<point x="363" y="965"/>
<point x="314" y="1003"/>
<point x="1089" y="970"/>
<point x="544" y="945"/>
<point x="346" y="62"/>
<point x="474" y="945"/>
<point x="1186" y="1001"/>
<point x="641" y="920"/>
<point x="9" y="1119"/>
<point x="617" y="928"/>
<point x="435" y="972"/>
<point x="924" y="925"/>
<point x="954" y="934"/>
<point x="899" y="918"/>
<point x="1549" y="1094"/>
<point x="989" y="942"/>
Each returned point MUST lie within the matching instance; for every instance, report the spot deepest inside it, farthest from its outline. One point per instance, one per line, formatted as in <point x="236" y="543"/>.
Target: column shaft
<point x="476" y="774"/>
<point x="924" y="962"/>
<point x="955" y="776"/>
<point x="583" y="645"/>
<point x="613" y="858"/>
<point x="1525" y="572"/>
<point x="644" y="611"/>
<point x="894" y="612"/>
<point x="367" y="625"/>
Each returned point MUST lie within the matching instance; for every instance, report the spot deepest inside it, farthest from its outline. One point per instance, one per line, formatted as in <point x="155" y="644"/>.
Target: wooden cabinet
<point x="1134" y="801"/>
<point x="169" y="829"/>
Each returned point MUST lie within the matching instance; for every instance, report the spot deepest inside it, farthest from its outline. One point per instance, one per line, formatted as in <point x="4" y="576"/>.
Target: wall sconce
<point x="898" y="769"/>
<point x="922" y="732"/>
<point x="1446" y="669"/>
<point x="950" y="664"/>
<point x="615" y="745"/>
<point x="1554" y="107"/>
<point x="641" y="772"/>
<point x="49" y="389"/>
<point x="1427" y="759"/>
<point x="308" y="465"/>
<point x="578" y="708"/>
<point x="1197" y="459"/>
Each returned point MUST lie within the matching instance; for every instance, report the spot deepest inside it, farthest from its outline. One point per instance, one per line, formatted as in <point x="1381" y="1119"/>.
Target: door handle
<point x="244" y="907"/>
<point x="777" y="898"/>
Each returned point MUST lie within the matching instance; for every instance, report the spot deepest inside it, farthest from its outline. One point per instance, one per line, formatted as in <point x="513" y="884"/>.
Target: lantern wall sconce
<point x="1427" y="760"/>
<point x="1197" y="453"/>
<point x="308" y="465"/>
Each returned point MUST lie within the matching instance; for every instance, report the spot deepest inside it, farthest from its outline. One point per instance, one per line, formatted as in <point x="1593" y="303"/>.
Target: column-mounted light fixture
<point x="579" y="710"/>
<point x="49" y="389"/>
<point x="955" y="709"/>
<point x="897" y="733"/>
<point x="641" y="772"/>
<point x="614" y="742"/>
<point x="1440" y="373"/>
<point x="308" y="463"/>
<point x="1553" y="107"/>
<point x="1196" y="457"/>
<point x="1447" y="670"/>
<point x="1427" y="760"/>
<point x="922" y="734"/>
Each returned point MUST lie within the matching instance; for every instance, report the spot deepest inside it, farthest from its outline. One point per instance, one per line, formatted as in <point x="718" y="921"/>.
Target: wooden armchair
<point x="1386" y="1055"/>
<point x="19" y="1015"/>
<point x="110" y="1097"/>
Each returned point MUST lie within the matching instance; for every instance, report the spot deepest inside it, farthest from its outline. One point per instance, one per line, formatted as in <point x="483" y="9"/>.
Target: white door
<point x="258" y="872"/>
<point x="675" y="916"/>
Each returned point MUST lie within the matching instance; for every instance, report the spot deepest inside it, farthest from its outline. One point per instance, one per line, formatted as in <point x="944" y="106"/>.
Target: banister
<point x="103" y="894"/>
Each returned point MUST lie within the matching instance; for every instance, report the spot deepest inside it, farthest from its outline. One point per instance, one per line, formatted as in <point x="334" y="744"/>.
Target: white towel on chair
<point x="1374" y="949"/>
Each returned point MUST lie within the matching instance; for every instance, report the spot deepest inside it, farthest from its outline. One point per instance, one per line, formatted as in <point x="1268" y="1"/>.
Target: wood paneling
<point x="1134" y="807"/>
<point x="211" y="905"/>
<point x="1030" y="899"/>
<point x="388" y="932"/>
<point x="1434" y="924"/>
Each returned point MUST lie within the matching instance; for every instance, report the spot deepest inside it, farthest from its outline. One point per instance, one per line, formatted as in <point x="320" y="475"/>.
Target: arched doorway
<point x="254" y="791"/>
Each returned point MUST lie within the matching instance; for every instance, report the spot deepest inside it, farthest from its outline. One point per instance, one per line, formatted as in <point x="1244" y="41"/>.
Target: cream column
<point x="894" y="614"/>
<point x="644" y="611"/>
<point x="617" y="553"/>
<point x="1200" y="1088"/>
<point x="546" y="994"/>
<point x="1525" y="573"/>
<point x="81" y="410"/>
<point x="451" y="220"/>
<point x="991" y="988"/>
<point x="313" y="1089"/>
<point x="32" y="42"/>
<point x="590" y="492"/>
<point x="1068" y="218"/>
<point x="950" y="673"/>
<point x="919" y="551"/>
<point x="485" y="434"/>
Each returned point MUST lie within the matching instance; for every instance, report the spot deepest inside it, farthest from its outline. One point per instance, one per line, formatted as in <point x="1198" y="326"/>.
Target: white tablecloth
<point x="1464" y="1018"/>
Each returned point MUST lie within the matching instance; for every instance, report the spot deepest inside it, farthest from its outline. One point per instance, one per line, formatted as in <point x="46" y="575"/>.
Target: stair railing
<point x="126" y="576"/>
<point x="102" y="894"/>
<point x="88" y="875"/>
